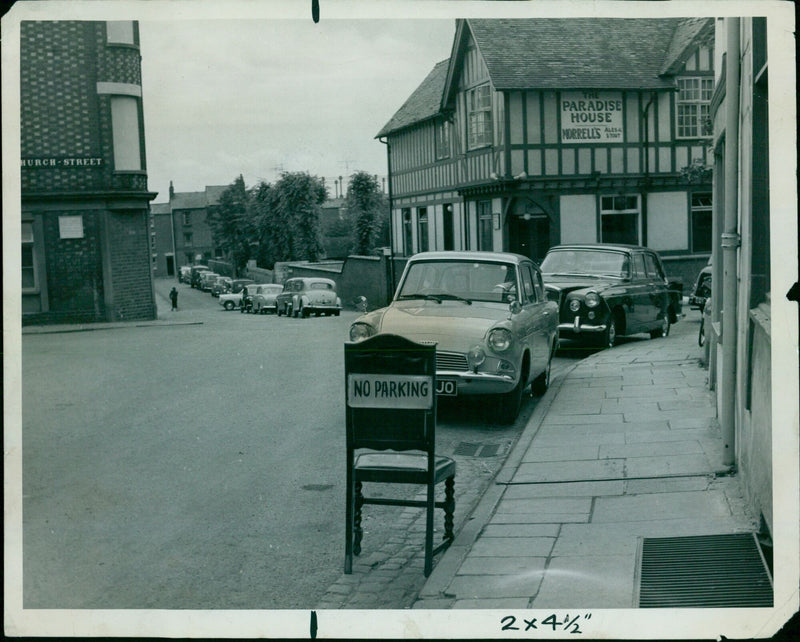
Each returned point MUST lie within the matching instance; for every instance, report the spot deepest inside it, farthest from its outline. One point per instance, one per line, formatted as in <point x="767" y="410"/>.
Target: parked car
<point x="207" y="280"/>
<point x="231" y="300"/>
<point x="238" y="284"/>
<point x="194" y="279"/>
<point x="264" y="298"/>
<point x="221" y="286"/>
<point x="185" y="274"/>
<point x="702" y="288"/>
<point x="248" y="292"/>
<point x="496" y="331"/>
<point x="604" y="291"/>
<point x="304" y="296"/>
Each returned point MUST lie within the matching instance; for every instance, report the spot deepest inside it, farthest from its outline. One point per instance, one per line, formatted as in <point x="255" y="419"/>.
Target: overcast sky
<point x="254" y="97"/>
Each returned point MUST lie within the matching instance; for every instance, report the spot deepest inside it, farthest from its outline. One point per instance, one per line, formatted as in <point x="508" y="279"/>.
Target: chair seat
<point x="411" y="468"/>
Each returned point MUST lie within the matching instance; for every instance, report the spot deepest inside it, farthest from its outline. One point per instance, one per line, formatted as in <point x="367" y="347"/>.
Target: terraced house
<point x="544" y="131"/>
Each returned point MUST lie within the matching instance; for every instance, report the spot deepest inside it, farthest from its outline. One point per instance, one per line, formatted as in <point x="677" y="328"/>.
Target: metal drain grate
<point x="706" y="571"/>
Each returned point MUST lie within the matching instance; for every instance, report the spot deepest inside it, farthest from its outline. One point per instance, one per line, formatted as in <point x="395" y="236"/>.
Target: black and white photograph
<point x="408" y="319"/>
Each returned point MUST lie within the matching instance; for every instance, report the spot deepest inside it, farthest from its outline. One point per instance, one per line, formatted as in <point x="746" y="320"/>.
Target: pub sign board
<point x="591" y="117"/>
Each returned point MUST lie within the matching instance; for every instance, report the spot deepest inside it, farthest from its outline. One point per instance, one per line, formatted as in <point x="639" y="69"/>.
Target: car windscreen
<point x="460" y="280"/>
<point x="586" y="262"/>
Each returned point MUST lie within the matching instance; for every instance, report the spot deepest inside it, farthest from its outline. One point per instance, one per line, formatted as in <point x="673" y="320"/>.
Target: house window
<point x="692" y="112"/>
<point x="442" y="140"/>
<point x="422" y="229"/>
<point x="485" y="225"/>
<point x="28" y="258"/>
<point x="125" y="129"/>
<point x="119" y="32"/>
<point x="479" y="116"/>
<point x="407" y="236"/>
<point x="701" y="222"/>
<point x="187" y="218"/>
<point x="619" y="219"/>
<point x="187" y="239"/>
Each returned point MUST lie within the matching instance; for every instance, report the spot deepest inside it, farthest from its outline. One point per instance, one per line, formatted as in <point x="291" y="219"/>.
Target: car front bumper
<point x="576" y="328"/>
<point x="477" y="383"/>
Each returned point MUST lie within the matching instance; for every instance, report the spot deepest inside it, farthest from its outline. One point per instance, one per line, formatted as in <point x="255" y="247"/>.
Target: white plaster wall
<point x="667" y="221"/>
<point x="578" y="219"/>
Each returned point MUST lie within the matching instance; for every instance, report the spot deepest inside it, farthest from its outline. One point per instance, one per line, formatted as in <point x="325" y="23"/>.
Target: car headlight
<point x="499" y="339"/>
<point x="592" y="300"/>
<point x="361" y="331"/>
<point x="575" y="305"/>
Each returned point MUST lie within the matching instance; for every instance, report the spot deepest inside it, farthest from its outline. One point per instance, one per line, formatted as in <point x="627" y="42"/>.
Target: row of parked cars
<point x="497" y="318"/>
<point x="297" y="297"/>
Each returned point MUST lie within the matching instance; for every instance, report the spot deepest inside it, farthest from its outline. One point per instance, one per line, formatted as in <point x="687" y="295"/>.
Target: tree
<point x="366" y="208"/>
<point x="287" y="216"/>
<point x="231" y="225"/>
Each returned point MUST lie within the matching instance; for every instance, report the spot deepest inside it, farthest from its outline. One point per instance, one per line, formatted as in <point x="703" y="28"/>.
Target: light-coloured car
<point x="185" y="274"/>
<point x="231" y="300"/>
<point x="264" y="298"/>
<point x="495" y="331"/>
<point x="207" y="280"/>
<point x="304" y="296"/>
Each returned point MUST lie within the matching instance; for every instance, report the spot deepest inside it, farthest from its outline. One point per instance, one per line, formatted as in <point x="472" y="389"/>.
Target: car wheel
<point x="509" y="403"/>
<point x="701" y="335"/>
<point x="336" y="313"/>
<point x="610" y="335"/>
<point x="228" y="305"/>
<point x="663" y="329"/>
<point x="303" y="312"/>
<point x="542" y="382"/>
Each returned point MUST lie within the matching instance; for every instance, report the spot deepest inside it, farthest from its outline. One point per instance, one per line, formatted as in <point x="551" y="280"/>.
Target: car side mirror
<point x="514" y="307"/>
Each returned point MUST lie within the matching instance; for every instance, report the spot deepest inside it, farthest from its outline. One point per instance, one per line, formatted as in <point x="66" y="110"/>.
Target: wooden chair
<point x="391" y="406"/>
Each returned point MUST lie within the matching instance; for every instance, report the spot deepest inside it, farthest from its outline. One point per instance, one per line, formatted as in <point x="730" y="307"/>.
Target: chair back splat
<point x="390" y="385"/>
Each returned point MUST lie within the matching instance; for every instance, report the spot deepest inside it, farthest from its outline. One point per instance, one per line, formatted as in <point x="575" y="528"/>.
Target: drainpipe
<point x="646" y="181"/>
<point x="390" y="289"/>
<point x="730" y="244"/>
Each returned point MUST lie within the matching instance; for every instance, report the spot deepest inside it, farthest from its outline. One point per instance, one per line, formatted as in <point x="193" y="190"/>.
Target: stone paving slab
<point x="520" y="530"/>
<point x="569" y="471"/>
<point x="677" y="484"/>
<point x="497" y="547"/>
<point x="523" y="584"/>
<point x="538" y="518"/>
<point x="565" y="489"/>
<point x="617" y="451"/>
<point x="660" y="506"/>
<point x="507" y="603"/>
<point x="545" y="505"/>
<point x="579" y="420"/>
<point x="561" y="453"/>
<point x="667" y="465"/>
<point x="587" y="582"/>
<point x="476" y="564"/>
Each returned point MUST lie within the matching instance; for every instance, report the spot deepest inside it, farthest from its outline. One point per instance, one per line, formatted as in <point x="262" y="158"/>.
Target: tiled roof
<point x="213" y="192"/>
<point x="687" y="32"/>
<point x="422" y="104"/>
<point x="575" y="53"/>
<point x="159" y="208"/>
<point x="188" y="200"/>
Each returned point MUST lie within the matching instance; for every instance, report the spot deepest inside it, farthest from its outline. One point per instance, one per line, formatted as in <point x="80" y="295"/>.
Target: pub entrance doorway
<point x="529" y="230"/>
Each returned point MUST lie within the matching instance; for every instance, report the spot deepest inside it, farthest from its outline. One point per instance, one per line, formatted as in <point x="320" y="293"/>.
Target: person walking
<point x="173" y="296"/>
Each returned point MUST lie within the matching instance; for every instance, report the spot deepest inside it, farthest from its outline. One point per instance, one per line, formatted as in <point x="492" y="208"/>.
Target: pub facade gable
<point x="559" y="131"/>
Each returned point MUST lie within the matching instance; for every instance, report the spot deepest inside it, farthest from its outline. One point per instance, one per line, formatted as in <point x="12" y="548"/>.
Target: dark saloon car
<point x="702" y="288"/>
<point x="604" y="291"/>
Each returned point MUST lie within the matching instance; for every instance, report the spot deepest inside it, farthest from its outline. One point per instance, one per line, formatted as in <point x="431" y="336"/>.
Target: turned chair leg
<point x="449" y="507"/>
<point x="358" y="532"/>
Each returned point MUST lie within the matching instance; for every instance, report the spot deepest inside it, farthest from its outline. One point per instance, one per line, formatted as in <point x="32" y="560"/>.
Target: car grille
<point x="451" y="361"/>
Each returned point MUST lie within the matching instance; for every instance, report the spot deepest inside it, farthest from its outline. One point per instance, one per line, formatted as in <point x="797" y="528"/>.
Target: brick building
<point x="181" y="233"/>
<point x="85" y="240"/>
<point x="544" y="131"/>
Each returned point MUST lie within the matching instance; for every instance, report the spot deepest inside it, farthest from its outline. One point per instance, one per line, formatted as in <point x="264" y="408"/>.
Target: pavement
<point x="625" y="445"/>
